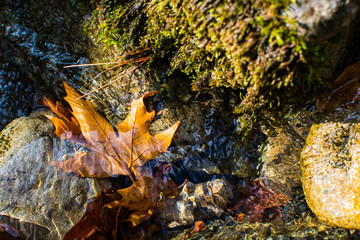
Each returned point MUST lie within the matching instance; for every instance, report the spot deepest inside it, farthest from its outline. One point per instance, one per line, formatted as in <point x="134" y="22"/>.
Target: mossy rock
<point x="330" y="163"/>
<point x="251" y="48"/>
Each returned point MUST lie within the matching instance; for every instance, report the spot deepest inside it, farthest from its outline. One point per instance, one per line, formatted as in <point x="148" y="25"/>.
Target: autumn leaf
<point x="148" y="192"/>
<point x="261" y="202"/>
<point x="56" y="106"/>
<point x="115" y="209"/>
<point x="110" y="152"/>
<point x="344" y="91"/>
<point x="7" y="232"/>
<point x="97" y="220"/>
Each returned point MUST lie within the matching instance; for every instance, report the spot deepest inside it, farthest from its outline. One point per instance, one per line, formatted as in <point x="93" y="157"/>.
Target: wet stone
<point x="197" y="202"/>
<point x="281" y="154"/>
<point x="32" y="189"/>
<point x="330" y="164"/>
<point x="322" y="19"/>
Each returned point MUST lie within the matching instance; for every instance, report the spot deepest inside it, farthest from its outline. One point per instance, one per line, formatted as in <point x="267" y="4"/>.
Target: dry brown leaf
<point x="110" y="152"/>
<point x="344" y="92"/>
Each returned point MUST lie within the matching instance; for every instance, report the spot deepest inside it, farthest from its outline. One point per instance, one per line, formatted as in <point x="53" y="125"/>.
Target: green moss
<point x="5" y="143"/>
<point x="250" y="47"/>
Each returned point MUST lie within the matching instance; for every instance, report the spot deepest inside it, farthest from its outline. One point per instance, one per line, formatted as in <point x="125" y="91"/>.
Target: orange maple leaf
<point x="110" y="152"/>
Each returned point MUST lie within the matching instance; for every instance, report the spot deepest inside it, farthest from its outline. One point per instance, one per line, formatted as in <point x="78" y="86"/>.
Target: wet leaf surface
<point x="56" y="106"/>
<point x="110" y="152"/>
<point x="344" y="92"/>
<point x="7" y="232"/>
<point x="260" y="203"/>
<point x="119" y="214"/>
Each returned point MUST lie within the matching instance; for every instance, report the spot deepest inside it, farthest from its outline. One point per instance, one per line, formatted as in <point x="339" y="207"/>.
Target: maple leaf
<point x="146" y="194"/>
<point x="56" y="106"/>
<point x="110" y="152"/>
<point x="113" y="209"/>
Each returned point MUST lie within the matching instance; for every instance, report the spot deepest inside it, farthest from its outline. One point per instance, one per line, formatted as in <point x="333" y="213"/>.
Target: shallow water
<point x="205" y="149"/>
<point x="197" y="162"/>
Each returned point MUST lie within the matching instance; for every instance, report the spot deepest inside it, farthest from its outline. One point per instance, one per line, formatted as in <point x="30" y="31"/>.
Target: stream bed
<point x="225" y="189"/>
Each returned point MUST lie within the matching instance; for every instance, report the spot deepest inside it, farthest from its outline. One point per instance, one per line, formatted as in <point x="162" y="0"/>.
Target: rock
<point x="281" y="153"/>
<point x="322" y="19"/>
<point x="330" y="164"/>
<point x="32" y="189"/>
<point x="197" y="202"/>
<point x="280" y="159"/>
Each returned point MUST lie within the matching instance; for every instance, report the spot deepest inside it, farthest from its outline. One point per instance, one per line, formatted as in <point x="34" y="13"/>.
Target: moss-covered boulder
<point x="330" y="164"/>
<point x="252" y="47"/>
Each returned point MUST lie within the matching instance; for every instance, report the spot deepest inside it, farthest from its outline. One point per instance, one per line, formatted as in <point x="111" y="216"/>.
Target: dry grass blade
<point x="119" y="63"/>
<point x="117" y="79"/>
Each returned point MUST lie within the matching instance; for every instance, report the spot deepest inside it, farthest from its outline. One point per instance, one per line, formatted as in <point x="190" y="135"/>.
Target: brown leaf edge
<point x="56" y="106"/>
<point x="344" y="91"/>
<point x="97" y="220"/>
<point x="123" y="212"/>
<point x="7" y="232"/>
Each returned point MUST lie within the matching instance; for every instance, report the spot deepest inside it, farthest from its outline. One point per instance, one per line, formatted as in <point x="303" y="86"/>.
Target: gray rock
<point x="32" y="189"/>
<point x="321" y="19"/>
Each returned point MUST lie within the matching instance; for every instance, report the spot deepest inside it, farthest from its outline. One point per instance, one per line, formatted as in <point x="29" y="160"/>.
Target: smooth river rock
<point x="330" y="163"/>
<point x="33" y="190"/>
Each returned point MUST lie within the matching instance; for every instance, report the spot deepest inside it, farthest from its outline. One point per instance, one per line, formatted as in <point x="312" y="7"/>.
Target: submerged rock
<point x="197" y="202"/>
<point x="32" y="189"/>
<point x="330" y="164"/>
<point x="281" y="153"/>
<point x="15" y="92"/>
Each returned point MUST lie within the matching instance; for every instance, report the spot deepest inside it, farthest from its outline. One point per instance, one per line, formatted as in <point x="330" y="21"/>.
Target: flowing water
<point x="42" y="202"/>
<point x="30" y="68"/>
